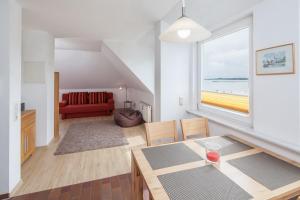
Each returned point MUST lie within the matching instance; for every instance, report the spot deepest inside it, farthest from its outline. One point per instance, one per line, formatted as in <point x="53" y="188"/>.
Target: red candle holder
<point x="212" y="152"/>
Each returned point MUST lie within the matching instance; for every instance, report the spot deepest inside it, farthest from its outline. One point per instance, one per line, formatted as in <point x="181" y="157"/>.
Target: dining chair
<point x="194" y="127"/>
<point x="161" y="132"/>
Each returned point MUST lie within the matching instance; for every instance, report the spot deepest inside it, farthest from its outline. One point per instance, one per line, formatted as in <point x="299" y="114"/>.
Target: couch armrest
<point x="110" y="101"/>
<point x="63" y="103"/>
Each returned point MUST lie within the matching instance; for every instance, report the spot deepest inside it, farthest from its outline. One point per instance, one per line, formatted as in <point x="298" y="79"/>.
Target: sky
<point x="227" y="56"/>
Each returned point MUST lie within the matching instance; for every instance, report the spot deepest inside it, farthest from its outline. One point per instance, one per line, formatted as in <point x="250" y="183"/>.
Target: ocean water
<point x="239" y="87"/>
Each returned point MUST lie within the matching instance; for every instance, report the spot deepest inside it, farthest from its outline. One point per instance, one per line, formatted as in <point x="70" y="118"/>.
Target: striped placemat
<point x="170" y="155"/>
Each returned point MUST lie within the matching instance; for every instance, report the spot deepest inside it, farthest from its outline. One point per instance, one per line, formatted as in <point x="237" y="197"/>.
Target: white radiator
<point x="146" y="111"/>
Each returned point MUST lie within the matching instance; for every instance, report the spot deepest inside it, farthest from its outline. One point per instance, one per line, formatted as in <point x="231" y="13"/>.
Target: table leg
<point x="136" y="181"/>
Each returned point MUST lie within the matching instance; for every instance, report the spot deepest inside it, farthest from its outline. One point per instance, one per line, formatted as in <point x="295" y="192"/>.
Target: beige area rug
<point x="90" y="136"/>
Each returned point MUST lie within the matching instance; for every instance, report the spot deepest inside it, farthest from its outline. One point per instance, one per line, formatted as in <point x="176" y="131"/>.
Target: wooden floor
<point x="44" y="170"/>
<point x="114" y="188"/>
<point x="228" y="101"/>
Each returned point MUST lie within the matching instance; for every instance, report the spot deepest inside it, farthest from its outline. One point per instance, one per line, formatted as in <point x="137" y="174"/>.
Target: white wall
<point x="138" y="55"/>
<point x="173" y="67"/>
<point x="86" y="69"/>
<point x="10" y="87"/>
<point x="4" y="95"/>
<point x="276" y="101"/>
<point x="138" y="96"/>
<point x="50" y="89"/>
<point x="38" y="93"/>
<point x="15" y="94"/>
<point x="175" y="75"/>
<point x="157" y="73"/>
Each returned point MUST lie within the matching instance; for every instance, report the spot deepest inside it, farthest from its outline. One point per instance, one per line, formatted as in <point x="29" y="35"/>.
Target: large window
<point x="225" y="71"/>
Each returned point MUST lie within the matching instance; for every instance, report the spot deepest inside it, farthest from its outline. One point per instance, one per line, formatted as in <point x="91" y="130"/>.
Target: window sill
<point x="229" y="115"/>
<point x="231" y="123"/>
<point x="246" y="129"/>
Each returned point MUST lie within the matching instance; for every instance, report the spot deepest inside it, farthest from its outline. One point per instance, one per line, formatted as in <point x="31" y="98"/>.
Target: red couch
<point x="86" y="104"/>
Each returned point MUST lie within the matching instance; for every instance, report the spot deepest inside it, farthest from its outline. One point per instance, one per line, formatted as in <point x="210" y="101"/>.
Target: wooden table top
<point x="252" y="187"/>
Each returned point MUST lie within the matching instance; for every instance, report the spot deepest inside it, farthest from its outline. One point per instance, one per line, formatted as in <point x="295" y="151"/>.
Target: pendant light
<point x="185" y="30"/>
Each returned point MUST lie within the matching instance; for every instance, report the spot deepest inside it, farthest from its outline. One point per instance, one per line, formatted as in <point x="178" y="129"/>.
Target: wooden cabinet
<point x="28" y="129"/>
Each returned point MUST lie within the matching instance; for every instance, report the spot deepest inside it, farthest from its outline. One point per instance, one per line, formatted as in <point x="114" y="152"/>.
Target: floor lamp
<point x="126" y="101"/>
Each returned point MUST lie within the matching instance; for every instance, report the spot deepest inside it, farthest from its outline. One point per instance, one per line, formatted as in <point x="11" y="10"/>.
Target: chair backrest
<point x="161" y="131"/>
<point x="194" y="127"/>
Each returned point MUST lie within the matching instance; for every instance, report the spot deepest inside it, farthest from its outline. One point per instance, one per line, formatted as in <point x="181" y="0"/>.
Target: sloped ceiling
<point x="85" y="64"/>
<point x="138" y="55"/>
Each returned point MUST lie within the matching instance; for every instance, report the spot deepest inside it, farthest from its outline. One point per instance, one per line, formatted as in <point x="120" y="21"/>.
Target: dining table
<point x="181" y="171"/>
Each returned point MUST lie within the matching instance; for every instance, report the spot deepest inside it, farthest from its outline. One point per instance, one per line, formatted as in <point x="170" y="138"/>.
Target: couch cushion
<point x="85" y="108"/>
<point x="97" y="97"/>
<point x="101" y="97"/>
<point x="93" y="98"/>
<point x="82" y="98"/>
<point x="71" y="98"/>
<point x="79" y="98"/>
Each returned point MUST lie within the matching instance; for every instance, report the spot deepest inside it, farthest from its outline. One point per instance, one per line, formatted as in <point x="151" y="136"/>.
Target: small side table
<point x="127" y="104"/>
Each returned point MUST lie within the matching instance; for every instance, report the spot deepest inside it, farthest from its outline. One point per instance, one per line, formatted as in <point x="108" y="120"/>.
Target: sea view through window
<point x="225" y="71"/>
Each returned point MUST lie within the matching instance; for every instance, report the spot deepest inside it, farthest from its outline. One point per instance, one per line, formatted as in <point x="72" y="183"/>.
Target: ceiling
<point x="77" y="44"/>
<point x="120" y="19"/>
<point x="211" y="13"/>
<point x="94" y="19"/>
<point x="83" y="59"/>
<point x="86" y="64"/>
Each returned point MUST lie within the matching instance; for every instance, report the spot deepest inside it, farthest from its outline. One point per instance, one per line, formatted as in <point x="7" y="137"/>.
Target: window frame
<point x="245" y="118"/>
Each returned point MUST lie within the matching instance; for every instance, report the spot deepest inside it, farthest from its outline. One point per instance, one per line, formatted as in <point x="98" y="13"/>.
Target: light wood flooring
<point x="44" y="170"/>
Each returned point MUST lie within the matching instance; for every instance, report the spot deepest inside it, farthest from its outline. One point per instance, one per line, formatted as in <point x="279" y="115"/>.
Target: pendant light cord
<point x="183" y="8"/>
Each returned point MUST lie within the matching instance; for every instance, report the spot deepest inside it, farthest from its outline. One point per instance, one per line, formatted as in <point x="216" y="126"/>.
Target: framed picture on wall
<point x="275" y="60"/>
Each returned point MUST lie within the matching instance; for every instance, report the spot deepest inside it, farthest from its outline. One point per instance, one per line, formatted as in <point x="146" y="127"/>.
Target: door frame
<point x="56" y="104"/>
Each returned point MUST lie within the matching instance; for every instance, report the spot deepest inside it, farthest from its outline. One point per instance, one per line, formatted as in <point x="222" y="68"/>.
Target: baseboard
<point x="46" y="145"/>
<point x="52" y="140"/>
<point x="4" y="196"/>
<point x="16" y="188"/>
<point x="7" y="195"/>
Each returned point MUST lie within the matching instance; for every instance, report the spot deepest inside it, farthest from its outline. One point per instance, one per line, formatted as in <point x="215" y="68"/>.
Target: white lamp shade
<point x="192" y="32"/>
